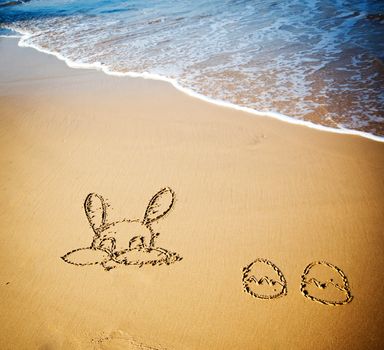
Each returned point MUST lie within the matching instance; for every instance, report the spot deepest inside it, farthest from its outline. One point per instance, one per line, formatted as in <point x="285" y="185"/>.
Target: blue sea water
<point x="315" y="60"/>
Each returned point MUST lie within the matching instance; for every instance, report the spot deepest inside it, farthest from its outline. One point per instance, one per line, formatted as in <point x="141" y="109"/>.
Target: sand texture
<point x="182" y="225"/>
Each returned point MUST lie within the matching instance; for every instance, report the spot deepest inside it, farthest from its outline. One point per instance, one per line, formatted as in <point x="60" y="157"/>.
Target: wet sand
<point x="245" y="188"/>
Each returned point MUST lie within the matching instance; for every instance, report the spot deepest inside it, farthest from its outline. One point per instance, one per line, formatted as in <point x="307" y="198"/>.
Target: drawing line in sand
<point x="321" y="282"/>
<point x="332" y="290"/>
<point x="264" y="280"/>
<point x="124" y="242"/>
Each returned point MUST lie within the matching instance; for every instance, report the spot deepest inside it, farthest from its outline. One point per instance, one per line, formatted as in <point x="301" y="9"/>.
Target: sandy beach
<point x="237" y="188"/>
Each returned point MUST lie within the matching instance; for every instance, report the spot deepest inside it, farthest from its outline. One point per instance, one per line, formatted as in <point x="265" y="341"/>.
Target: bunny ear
<point x="96" y="210"/>
<point x="160" y="204"/>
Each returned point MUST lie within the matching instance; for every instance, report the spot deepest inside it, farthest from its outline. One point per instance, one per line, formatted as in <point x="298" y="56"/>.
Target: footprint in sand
<point x="325" y="283"/>
<point x="124" y="242"/>
<point x="264" y="280"/>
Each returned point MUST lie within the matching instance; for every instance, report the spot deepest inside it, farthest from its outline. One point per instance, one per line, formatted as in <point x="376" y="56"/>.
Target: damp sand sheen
<point x="277" y="228"/>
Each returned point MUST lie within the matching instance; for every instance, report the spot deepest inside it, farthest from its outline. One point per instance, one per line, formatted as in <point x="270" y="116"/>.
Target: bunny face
<point x="128" y="242"/>
<point x="125" y="234"/>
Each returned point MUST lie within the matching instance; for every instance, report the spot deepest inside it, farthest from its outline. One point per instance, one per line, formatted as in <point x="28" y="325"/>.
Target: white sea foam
<point x="24" y="42"/>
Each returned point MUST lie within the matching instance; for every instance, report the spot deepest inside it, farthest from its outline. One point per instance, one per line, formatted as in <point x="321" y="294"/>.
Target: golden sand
<point x="244" y="192"/>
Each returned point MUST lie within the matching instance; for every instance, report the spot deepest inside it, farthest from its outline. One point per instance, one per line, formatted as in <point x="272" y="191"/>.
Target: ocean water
<point x="318" y="61"/>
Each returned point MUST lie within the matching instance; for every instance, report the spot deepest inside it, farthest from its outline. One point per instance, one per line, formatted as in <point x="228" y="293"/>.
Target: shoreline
<point x="22" y="42"/>
<point x="245" y="191"/>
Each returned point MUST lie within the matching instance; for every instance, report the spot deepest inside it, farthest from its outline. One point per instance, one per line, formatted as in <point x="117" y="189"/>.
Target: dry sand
<point x="246" y="187"/>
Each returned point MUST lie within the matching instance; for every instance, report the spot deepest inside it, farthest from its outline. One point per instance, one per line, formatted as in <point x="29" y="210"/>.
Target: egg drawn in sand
<point x="325" y="283"/>
<point x="264" y="280"/>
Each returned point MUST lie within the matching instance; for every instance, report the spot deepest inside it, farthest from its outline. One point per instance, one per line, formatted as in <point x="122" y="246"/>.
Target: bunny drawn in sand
<point x="124" y="242"/>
